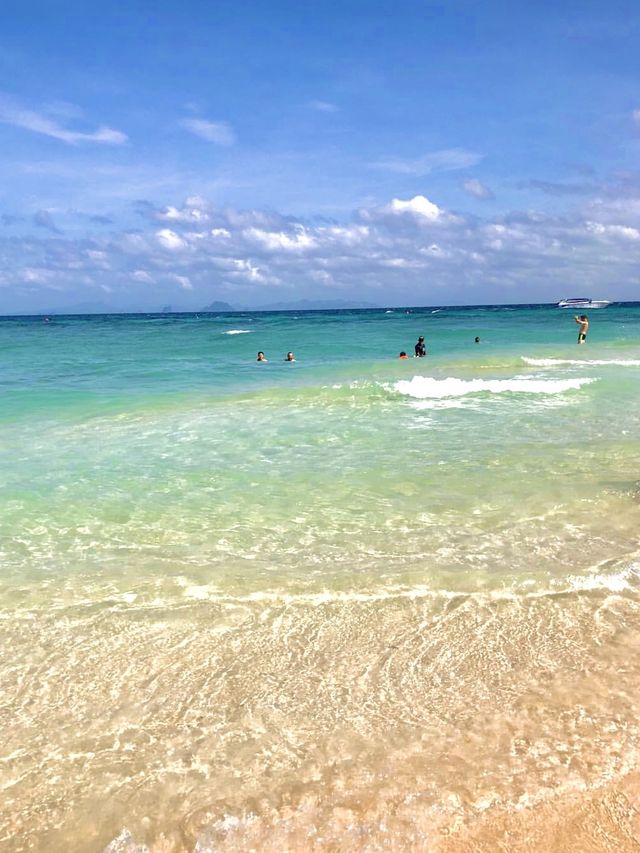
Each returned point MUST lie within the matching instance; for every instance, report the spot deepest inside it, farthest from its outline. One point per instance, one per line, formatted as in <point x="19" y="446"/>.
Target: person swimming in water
<point x="403" y="355"/>
<point x="477" y="340"/>
<point x="583" y="322"/>
<point x="261" y="356"/>
<point x="290" y="357"/>
<point x="420" y="348"/>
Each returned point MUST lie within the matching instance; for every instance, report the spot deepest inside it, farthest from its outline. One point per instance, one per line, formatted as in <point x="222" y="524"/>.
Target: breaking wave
<point x="426" y="387"/>
<point x="586" y="362"/>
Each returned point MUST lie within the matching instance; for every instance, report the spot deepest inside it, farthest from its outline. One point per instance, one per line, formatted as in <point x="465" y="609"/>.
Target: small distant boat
<point x="581" y="302"/>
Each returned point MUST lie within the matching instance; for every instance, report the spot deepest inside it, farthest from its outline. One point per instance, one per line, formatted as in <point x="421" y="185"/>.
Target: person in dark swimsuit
<point x="583" y="322"/>
<point x="420" y="348"/>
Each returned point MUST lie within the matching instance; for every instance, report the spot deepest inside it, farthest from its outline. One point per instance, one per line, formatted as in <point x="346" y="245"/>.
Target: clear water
<point x="159" y="488"/>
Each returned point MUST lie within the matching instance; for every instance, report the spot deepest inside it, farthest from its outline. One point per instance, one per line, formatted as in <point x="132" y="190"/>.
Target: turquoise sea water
<point x="151" y="469"/>
<point x="146" y="451"/>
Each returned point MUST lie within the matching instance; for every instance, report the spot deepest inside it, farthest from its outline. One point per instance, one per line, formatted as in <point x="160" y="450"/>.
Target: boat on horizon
<point x="582" y="302"/>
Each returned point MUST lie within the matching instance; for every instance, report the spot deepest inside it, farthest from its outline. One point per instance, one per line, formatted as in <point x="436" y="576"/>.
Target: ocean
<point x="348" y="603"/>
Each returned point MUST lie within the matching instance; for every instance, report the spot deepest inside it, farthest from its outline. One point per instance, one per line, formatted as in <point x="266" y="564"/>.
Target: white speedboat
<point x="581" y="302"/>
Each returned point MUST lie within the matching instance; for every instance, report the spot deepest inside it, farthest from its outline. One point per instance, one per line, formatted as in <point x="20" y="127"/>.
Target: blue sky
<point x="394" y="153"/>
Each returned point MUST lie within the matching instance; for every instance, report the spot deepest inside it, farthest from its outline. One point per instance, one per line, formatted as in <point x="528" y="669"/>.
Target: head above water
<point x="290" y="357"/>
<point x="261" y="356"/>
<point x="477" y="339"/>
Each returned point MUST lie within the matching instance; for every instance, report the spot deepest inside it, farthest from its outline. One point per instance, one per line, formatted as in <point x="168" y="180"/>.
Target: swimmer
<point x="583" y="322"/>
<point x="290" y="357"/>
<point x="477" y="339"/>
<point x="261" y="356"/>
<point x="403" y="355"/>
<point x="420" y="348"/>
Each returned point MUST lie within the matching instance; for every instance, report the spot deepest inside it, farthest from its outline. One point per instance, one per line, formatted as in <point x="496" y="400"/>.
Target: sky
<point x="396" y="153"/>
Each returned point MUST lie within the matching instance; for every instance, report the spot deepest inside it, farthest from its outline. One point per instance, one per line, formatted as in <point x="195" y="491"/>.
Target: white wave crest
<point x="426" y="387"/>
<point x="625" y="580"/>
<point x="586" y="362"/>
<point x="238" y="332"/>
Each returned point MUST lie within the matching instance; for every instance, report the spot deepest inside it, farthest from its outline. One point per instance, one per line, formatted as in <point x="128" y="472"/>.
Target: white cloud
<point x="350" y="235"/>
<point x="476" y="188"/>
<point x="173" y="214"/>
<point x="419" y="205"/>
<point x="411" y="247"/>
<point x="141" y="276"/>
<point x="219" y="132"/>
<point x="12" y="114"/>
<point x="245" y="269"/>
<point x="183" y="281"/>
<point x="33" y="275"/>
<point x="299" y="241"/>
<point x="323" y="106"/>
<point x="445" y="160"/>
<point x="401" y="263"/>
<point x="170" y="240"/>
<point x="624" y="231"/>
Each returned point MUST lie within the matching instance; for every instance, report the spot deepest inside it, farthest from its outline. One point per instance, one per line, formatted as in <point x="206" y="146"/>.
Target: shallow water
<point x="348" y="603"/>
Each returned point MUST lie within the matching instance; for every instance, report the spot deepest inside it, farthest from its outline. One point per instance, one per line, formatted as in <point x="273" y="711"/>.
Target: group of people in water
<point x="262" y="357"/>
<point x="420" y="349"/>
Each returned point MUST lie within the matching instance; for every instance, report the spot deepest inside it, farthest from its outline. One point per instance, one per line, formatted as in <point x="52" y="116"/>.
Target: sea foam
<point x="238" y="332"/>
<point x="426" y="387"/>
<point x="622" y="581"/>
<point x="586" y="362"/>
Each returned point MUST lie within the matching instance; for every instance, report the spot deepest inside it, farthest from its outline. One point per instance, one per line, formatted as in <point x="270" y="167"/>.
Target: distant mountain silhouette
<point x="315" y="305"/>
<point x="219" y="306"/>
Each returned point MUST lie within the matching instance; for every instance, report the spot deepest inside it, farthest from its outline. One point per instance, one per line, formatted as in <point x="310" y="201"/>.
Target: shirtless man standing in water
<point x="582" y="321"/>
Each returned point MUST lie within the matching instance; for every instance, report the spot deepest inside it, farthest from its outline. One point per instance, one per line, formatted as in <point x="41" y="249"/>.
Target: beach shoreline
<point x="329" y="726"/>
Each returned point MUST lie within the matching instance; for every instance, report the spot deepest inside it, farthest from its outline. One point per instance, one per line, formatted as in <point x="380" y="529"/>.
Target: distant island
<point x="221" y="307"/>
<point x="299" y="305"/>
<point x="316" y="305"/>
<point x="215" y="307"/>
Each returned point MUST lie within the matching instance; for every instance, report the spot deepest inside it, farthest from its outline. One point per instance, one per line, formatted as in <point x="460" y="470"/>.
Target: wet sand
<point x="445" y="723"/>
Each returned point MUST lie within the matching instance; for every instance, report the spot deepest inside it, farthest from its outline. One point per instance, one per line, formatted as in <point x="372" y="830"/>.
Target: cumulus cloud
<point x="168" y="239"/>
<point x="219" y="132"/>
<point x="13" y="114"/>
<point x="477" y="189"/>
<point x="624" y="231"/>
<point x="410" y="249"/>
<point x="299" y="241"/>
<point x="446" y="160"/>
<point x="419" y="205"/>
<point x="420" y="210"/>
